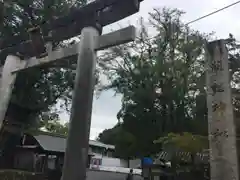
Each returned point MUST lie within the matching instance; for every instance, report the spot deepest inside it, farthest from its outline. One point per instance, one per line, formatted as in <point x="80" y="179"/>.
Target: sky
<point x="106" y="107"/>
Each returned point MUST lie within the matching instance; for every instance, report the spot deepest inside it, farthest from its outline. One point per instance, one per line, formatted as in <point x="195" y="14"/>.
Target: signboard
<point x="95" y="163"/>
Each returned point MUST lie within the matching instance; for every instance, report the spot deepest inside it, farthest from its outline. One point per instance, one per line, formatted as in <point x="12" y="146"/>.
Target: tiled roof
<point x="99" y="144"/>
<point x="57" y="143"/>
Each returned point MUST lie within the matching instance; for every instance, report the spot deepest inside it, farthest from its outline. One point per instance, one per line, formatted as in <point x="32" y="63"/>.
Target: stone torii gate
<point x="80" y="119"/>
<point x="91" y="41"/>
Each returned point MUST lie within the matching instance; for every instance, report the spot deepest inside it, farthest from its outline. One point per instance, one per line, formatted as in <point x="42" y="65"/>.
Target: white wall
<point x="135" y="163"/>
<point x="115" y="162"/>
<point x="111" y="162"/>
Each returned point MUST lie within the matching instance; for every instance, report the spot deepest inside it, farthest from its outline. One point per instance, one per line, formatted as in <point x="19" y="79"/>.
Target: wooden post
<point x="7" y="84"/>
<point x="80" y="120"/>
<point x="222" y="136"/>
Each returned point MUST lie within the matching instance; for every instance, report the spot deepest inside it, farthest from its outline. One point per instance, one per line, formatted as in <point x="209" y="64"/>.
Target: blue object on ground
<point x="147" y="161"/>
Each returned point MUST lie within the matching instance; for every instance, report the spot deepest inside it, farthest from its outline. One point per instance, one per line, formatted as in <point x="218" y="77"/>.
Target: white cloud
<point x="100" y="123"/>
<point x="105" y="109"/>
<point x="107" y="106"/>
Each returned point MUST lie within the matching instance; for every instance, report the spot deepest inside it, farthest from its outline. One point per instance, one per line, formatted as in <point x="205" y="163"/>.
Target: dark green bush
<point x="20" y="175"/>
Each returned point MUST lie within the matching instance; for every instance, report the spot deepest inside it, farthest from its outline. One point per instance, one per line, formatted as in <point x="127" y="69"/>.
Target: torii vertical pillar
<point x="75" y="161"/>
<point x="222" y="135"/>
<point x="7" y="84"/>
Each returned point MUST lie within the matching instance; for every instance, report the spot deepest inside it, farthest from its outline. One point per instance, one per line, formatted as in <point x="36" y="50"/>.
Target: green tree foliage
<point x="109" y="136"/>
<point x="38" y="89"/>
<point x="162" y="81"/>
<point x="125" y="141"/>
<point x="50" y="122"/>
<point x="185" y="142"/>
<point x="56" y="127"/>
<point x="159" y="79"/>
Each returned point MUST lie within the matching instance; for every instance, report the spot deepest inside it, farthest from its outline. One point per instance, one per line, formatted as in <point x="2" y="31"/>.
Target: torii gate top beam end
<point x="102" y="12"/>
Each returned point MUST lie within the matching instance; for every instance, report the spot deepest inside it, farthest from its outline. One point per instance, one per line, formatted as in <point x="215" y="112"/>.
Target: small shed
<point x="41" y="152"/>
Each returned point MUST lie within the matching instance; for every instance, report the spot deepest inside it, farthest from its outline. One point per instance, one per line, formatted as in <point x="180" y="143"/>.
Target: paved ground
<point x="103" y="175"/>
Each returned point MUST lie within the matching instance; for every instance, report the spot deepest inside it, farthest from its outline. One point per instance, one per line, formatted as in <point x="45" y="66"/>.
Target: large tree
<point x="124" y="141"/>
<point x="160" y="79"/>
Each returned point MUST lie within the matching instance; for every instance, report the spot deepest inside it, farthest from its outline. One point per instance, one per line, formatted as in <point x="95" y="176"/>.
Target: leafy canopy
<point x="160" y="80"/>
<point x="39" y="88"/>
<point x="185" y="142"/>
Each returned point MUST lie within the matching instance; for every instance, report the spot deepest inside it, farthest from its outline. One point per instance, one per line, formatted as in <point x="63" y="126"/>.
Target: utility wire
<point x="207" y="15"/>
<point x="214" y="12"/>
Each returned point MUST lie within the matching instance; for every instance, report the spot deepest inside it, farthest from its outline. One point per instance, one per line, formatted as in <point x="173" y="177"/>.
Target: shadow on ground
<point x="104" y="175"/>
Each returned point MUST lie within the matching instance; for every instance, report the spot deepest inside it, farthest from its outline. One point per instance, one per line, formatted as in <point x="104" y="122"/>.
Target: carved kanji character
<point x="216" y="66"/>
<point x="217" y="88"/>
